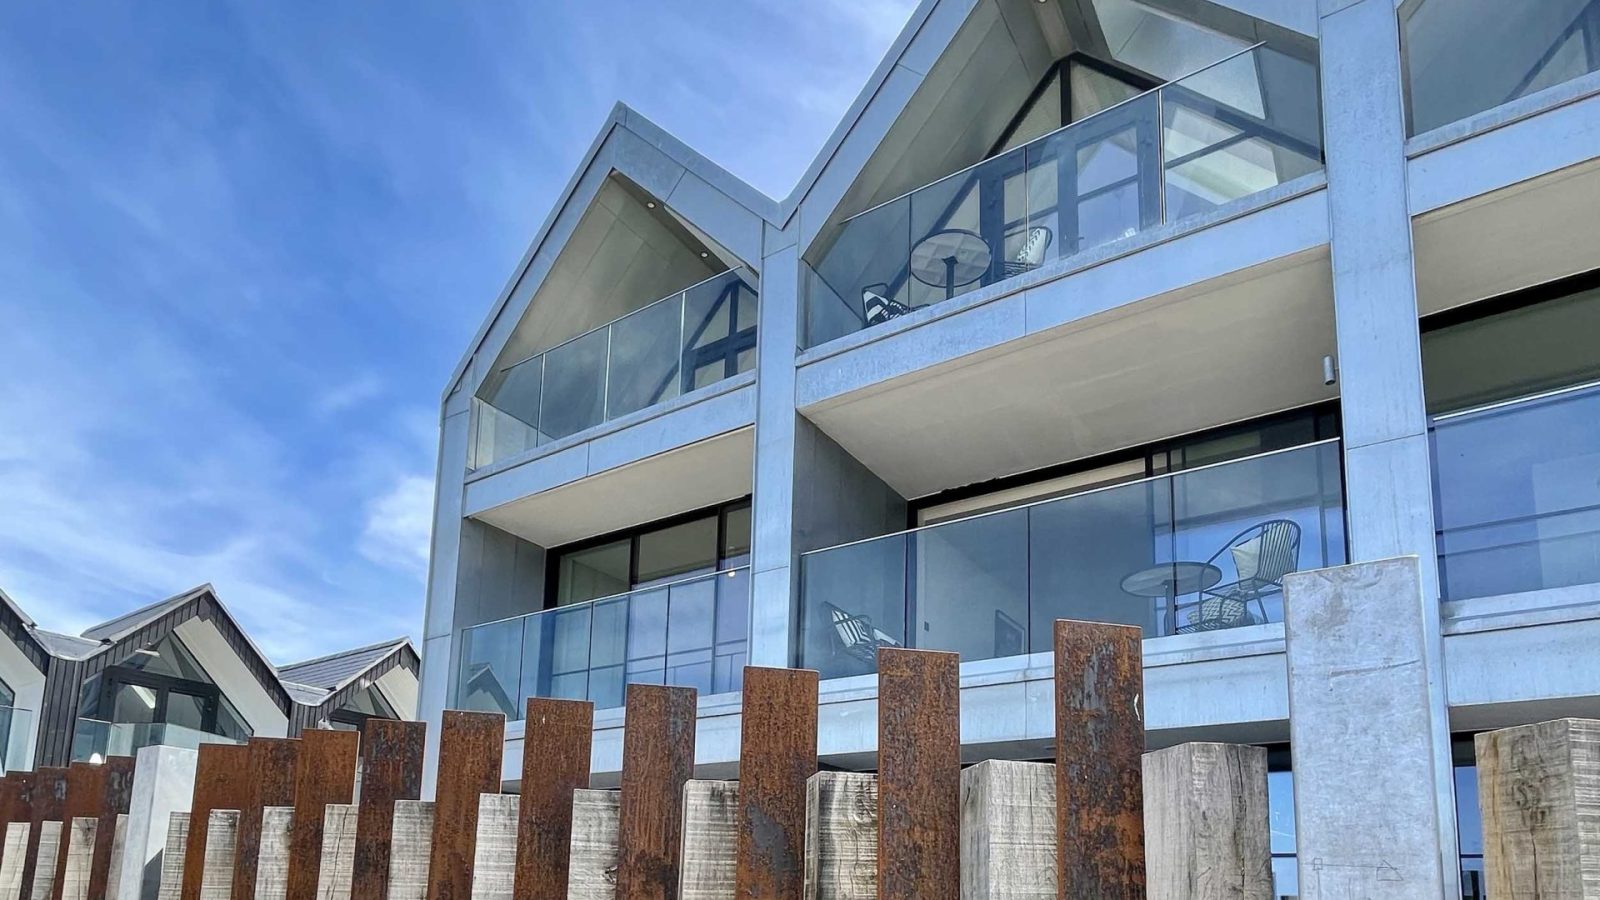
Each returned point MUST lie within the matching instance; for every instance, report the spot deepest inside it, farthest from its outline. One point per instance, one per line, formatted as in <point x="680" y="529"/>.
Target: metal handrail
<point x="642" y="590"/>
<point x="1109" y="487"/>
<point x="1514" y="401"/>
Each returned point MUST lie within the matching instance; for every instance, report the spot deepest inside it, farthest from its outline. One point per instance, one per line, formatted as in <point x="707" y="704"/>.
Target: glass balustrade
<point x="1463" y="57"/>
<point x="1201" y="550"/>
<point x="1517" y="495"/>
<point x="16" y="732"/>
<point x="684" y="342"/>
<point x="693" y="632"/>
<point x="95" y="739"/>
<point x="1228" y="131"/>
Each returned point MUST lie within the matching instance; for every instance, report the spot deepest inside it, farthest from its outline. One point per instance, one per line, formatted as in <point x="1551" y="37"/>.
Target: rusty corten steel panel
<point x="86" y="794"/>
<point x="556" y="742"/>
<point x="326" y="774"/>
<point x="221" y="781"/>
<point x="777" y="754"/>
<point x="16" y="790"/>
<point x="274" y="767"/>
<point x="1099" y="751"/>
<point x="919" y="775"/>
<point x="115" y="800"/>
<point x="48" y="802"/>
<point x="391" y="769"/>
<point x="657" y="758"/>
<point x="470" y="745"/>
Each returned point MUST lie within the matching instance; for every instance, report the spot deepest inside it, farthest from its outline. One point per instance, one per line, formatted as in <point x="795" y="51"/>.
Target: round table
<point x="950" y="259"/>
<point x="1168" y="580"/>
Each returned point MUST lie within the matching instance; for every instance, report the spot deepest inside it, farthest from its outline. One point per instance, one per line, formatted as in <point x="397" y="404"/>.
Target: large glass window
<point x="1514" y="396"/>
<point x="656" y="554"/>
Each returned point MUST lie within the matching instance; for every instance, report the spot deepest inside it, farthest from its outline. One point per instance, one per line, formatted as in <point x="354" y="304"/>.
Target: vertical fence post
<point x="494" y="860"/>
<point x="274" y="765"/>
<point x="222" y="844"/>
<point x="841" y="836"/>
<point x="470" y="748"/>
<point x="657" y="758"/>
<point x="16" y="789"/>
<point x="174" y="857"/>
<point x="592" y="870"/>
<point x="709" y="859"/>
<point x="115" y="801"/>
<point x="1008" y="831"/>
<point x="48" y="801"/>
<point x="272" y="863"/>
<point x="408" y="848"/>
<point x="1099" y="750"/>
<point x="221" y="782"/>
<point x="326" y="777"/>
<point x="163" y="783"/>
<point x="557" y="739"/>
<point x="919" y="775"/>
<point x="77" y="857"/>
<point x="1539" y="792"/>
<point x="86" y="793"/>
<point x="1206" y="819"/>
<point x="391" y="771"/>
<point x="337" y="853"/>
<point x="777" y="756"/>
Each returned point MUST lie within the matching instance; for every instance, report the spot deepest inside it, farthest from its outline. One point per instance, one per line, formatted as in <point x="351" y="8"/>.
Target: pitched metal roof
<point x="67" y="646"/>
<point x="127" y="623"/>
<point x="334" y="671"/>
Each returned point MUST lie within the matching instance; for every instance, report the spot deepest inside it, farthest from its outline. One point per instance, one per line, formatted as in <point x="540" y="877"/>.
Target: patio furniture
<point x="1031" y="254"/>
<point x="877" y="307"/>
<point x="856" y="636"/>
<point x="1262" y="554"/>
<point x="950" y="259"/>
<point x="1170" y="580"/>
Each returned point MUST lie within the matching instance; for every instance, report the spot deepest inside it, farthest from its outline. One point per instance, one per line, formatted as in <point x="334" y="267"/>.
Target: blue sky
<point x="242" y="246"/>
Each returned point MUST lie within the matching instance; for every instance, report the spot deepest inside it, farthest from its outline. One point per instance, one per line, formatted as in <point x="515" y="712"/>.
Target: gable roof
<point x="22" y="631"/>
<point x="322" y="685"/>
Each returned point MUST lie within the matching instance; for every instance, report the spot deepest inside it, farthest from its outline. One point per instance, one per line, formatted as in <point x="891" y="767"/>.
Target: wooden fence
<point x="281" y="819"/>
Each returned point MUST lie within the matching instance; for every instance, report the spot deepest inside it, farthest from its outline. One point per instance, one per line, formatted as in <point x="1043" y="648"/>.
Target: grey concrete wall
<point x="163" y="783"/>
<point x="839" y="499"/>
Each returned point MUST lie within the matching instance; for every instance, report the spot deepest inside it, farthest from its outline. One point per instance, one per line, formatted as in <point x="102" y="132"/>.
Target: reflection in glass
<point x="644" y="359"/>
<point x="853" y="601"/>
<point x="574" y="385"/>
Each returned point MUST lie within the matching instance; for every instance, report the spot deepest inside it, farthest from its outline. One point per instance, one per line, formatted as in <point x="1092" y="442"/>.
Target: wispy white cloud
<point x="399" y="525"/>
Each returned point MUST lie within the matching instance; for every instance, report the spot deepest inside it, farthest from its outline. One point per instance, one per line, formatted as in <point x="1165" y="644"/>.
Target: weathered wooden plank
<point x="272" y="863"/>
<point x="86" y="794"/>
<point x="1099" y="751"/>
<point x="391" y="771"/>
<point x="338" y="852"/>
<point x="274" y="765"/>
<point x="708" y="867"/>
<point x="557" y="740"/>
<point x="50" y="837"/>
<point x="119" y="848"/>
<point x="77" y="857"/>
<point x="48" y="801"/>
<point x="221" y="781"/>
<point x="777" y="755"/>
<point x="657" y="758"/>
<point x="222" y="842"/>
<point x="1207" y="826"/>
<point x="408" y="849"/>
<point x="1008" y="831"/>
<point x="16" y="789"/>
<point x="494" y="854"/>
<point x="16" y="851"/>
<point x="592" y="872"/>
<point x="325" y="776"/>
<point x="841" y="836"/>
<point x="470" y="747"/>
<point x="173" y="857"/>
<point x="1539" y="793"/>
<point x="115" y="798"/>
<point x="919" y="775"/>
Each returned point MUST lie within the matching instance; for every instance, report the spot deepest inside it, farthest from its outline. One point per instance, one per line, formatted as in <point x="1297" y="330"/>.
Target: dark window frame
<point x="1510" y="301"/>
<point x="555" y="555"/>
<point x="164" y="686"/>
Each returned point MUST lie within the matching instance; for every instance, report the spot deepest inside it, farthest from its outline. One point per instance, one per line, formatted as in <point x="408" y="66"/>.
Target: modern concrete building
<point x="179" y="672"/>
<point x="1269" y="326"/>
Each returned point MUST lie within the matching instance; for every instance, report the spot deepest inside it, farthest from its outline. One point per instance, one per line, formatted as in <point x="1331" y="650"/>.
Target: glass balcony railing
<point x="16" y="731"/>
<point x="96" y="739"/>
<point x="1517" y="494"/>
<point x="1463" y="57"/>
<point x="1201" y="550"/>
<point x="693" y="632"/>
<point x="1231" y="130"/>
<point x="690" y="340"/>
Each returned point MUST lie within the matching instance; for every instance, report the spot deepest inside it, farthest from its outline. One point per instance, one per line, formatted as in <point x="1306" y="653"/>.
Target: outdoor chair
<point x="1262" y="554"/>
<point x="876" y="307"/>
<point x="1031" y="254"/>
<point x="855" y="635"/>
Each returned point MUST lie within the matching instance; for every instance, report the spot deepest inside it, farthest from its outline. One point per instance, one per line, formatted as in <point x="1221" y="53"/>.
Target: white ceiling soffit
<point x="1221" y="352"/>
<point x="692" y="477"/>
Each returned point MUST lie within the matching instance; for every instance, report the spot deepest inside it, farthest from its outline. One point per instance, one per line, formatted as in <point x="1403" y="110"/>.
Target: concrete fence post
<point x="163" y="783"/>
<point x="1539" y="790"/>
<point x="338" y="852"/>
<point x="272" y="862"/>
<point x="45" y="860"/>
<point x="222" y="840"/>
<point x="78" y="858"/>
<point x="12" y="860"/>
<point x="409" y="847"/>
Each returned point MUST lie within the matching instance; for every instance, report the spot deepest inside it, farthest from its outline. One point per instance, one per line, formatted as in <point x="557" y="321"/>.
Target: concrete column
<point x="49" y="846"/>
<point x="1206" y="823"/>
<point x="1388" y="467"/>
<point x="1539" y="787"/>
<point x="222" y="840"/>
<point x="1008" y="831"/>
<point x="707" y="866"/>
<point x="338" y="852"/>
<point x="79" y="849"/>
<point x="1365" y="781"/>
<point x="772" y="631"/>
<point x="438" y="628"/>
<point x="410" y="850"/>
<point x="842" y="836"/>
<point x="494" y="856"/>
<point x="163" y="783"/>
<point x="592" y="872"/>
<point x="169" y="877"/>
<point x="16" y="851"/>
<point x="272" y="866"/>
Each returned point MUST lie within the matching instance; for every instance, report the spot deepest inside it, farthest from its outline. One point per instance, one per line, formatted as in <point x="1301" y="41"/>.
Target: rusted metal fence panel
<point x="919" y="775"/>
<point x="221" y="782"/>
<point x="657" y="759"/>
<point x="556" y="744"/>
<point x="326" y="776"/>
<point x="47" y="803"/>
<point x="391" y="771"/>
<point x="470" y="748"/>
<point x="777" y="755"/>
<point x="274" y="766"/>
